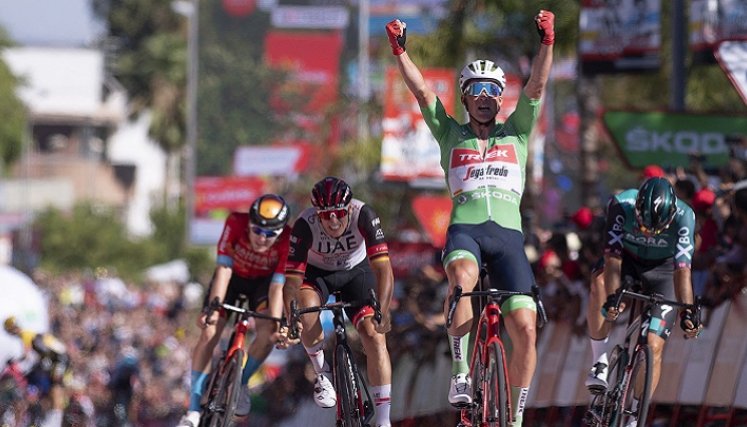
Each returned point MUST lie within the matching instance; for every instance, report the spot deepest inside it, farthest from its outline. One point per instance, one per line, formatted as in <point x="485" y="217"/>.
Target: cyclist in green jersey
<point x="650" y="237"/>
<point x="485" y="166"/>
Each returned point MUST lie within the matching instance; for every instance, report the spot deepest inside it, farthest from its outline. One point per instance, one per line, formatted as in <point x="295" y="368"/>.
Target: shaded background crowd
<point x="130" y="343"/>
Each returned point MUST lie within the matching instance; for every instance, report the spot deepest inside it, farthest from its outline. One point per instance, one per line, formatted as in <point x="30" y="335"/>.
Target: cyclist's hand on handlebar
<point x="609" y="310"/>
<point x="282" y="340"/>
<point x="385" y="325"/>
<point x="690" y="324"/>
<point x="209" y="315"/>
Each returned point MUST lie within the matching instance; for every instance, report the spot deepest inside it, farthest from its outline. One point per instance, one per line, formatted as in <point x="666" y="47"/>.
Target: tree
<point x="13" y="112"/>
<point x="93" y="236"/>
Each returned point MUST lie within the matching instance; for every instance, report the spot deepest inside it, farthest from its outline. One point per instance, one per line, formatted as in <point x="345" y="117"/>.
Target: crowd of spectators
<point x="130" y="344"/>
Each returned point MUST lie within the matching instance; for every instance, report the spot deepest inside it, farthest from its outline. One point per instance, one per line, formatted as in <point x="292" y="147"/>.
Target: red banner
<point x="226" y="193"/>
<point x="313" y="59"/>
<point x="434" y="213"/>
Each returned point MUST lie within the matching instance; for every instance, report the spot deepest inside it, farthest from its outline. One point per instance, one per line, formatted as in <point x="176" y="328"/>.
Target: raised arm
<point x="542" y="64"/>
<point x="397" y="33"/>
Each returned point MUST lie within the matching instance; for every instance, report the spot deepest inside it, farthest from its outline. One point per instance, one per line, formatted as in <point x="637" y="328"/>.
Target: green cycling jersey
<point x="484" y="186"/>
<point x="624" y="235"/>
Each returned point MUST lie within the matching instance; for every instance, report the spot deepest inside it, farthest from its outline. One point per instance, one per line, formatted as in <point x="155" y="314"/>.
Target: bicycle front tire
<point x="223" y="405"/>
<point x="496" y="405"/>
<point x="349" y="410"/>
<point x="640" y="373"/>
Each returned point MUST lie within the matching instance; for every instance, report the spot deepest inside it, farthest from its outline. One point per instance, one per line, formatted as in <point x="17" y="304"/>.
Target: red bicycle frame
<point x="488" y="332"/>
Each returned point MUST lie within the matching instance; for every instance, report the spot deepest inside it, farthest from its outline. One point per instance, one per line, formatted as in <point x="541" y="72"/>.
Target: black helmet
<point x="331" y="193"/>
<point x="655" y="205"/>
<point x="269" y="211"/>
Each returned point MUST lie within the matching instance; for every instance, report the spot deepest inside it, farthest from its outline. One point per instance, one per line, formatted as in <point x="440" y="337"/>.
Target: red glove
<point x="546" y="26"/>
<point x="397" y="33"/>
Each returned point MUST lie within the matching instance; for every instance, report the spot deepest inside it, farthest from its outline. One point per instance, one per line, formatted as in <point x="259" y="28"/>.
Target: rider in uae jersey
<point x="309" y="244"/>
<point x="489" y="187"/>
<point x="624" y="235"/>
<point x="235" y="250"/>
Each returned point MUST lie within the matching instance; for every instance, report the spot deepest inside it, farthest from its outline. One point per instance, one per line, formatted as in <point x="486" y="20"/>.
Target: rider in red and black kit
<point x="252" y="252"/>
<point x="338" y="246"/>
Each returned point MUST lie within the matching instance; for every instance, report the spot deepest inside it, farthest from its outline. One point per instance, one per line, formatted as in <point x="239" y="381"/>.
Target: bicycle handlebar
<point x="498" y="296"/>
<point x="333" y="306"/>
<point x="658" y="299"/>
<point x="215" y="304"/>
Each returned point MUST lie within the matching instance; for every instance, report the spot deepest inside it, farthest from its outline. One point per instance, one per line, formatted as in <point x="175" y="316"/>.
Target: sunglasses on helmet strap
<point x="259" y="231"/>
<point x="479" y="87"/>
<point x="326" y="214"/>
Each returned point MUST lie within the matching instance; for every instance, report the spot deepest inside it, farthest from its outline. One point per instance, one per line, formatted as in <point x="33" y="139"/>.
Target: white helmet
<point x="481" y="69"/>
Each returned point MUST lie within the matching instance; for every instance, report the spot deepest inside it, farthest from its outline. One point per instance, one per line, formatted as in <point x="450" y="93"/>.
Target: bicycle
<point x="491" y="393"/>
<point x="631" y="364"/>
<point x="354" y="402"/>
<point x="222" y="393"/>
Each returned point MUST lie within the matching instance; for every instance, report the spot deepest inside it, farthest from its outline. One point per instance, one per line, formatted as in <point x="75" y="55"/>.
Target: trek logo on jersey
<point x="498" y="153"/>
<point x="480" y="172"/>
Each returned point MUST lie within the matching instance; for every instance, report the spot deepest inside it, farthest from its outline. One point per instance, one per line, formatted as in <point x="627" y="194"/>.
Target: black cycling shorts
<point x="656" y="276"/>
<point x="349" y="285"/>
<point x="255" y="290"/>
<point x="500" y="249"/>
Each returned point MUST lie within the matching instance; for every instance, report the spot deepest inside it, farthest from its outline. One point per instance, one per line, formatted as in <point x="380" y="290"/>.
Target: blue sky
<point x="49" y="22"/>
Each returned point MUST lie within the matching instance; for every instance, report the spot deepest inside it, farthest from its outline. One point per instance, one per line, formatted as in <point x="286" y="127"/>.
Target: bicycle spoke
<point x="496" y="393"/>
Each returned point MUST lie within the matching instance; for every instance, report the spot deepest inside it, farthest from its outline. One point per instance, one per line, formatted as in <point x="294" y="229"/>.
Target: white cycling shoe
<point x="244" y="405"/>
<point x="596" y="381"/>
<point x="324" y="392"/>
<point x="460" y="391"/>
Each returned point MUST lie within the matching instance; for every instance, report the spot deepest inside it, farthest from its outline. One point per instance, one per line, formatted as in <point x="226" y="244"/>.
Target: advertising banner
<point x="672" y="139"/>
<point x="732" y="57"/>
<point x="713" y="21"/>
<point x="313" y="58"/>
<point x="620" y="36"/>
<point x="288" y="161"/>
<point x="215" y="198"/>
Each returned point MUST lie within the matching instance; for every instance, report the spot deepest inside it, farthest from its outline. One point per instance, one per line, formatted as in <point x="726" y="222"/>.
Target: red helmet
<point x="331" y="193"/>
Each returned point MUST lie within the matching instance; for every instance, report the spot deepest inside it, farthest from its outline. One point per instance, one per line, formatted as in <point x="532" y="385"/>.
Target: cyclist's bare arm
<point x="415" y="81"/>
<point x="382" y="268"/>
<point x="543" y="61"/>
<point x="218" y="288"/>
<point x="683" y="285"/>
<point x="275" y="298"/>
<point x="612" y="272"/>
<point x="540" y="73"/>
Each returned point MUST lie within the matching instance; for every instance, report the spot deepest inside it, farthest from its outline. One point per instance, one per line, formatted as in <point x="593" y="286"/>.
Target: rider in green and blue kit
<point x="649" y="237"/>
<point x="485" y="163"/>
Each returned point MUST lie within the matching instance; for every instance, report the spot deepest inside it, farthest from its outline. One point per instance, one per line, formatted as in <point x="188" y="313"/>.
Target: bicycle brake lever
<point x="541" y="312"/>
<point x="375" y="305"/>
<point x="293" y="323"/>
<point x="452" y="305"/>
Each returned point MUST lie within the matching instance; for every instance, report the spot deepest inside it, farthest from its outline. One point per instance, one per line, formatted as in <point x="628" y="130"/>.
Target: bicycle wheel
<point x="349" y="412"/>
<point x="496" y="405"/>
<point x="477" y="372"/>
<point x="638" y="383"/>
<point x="223" y="403"/>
